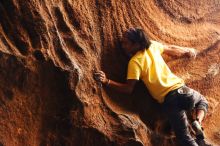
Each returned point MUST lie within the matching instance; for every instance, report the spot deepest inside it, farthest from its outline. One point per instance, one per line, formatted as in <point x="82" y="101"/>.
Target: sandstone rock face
<point x="49" y="50"/>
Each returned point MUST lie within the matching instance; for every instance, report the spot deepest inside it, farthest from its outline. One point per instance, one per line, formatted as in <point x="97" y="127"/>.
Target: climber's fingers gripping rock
<point x="191" y="52"/>
<point x="101" y="77"/>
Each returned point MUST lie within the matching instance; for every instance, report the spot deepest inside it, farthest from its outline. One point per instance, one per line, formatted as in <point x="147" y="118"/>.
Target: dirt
<point x="49" y="50"/>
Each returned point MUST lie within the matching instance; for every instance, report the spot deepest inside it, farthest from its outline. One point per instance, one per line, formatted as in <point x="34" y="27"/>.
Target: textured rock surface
<point x="49" y="50"/>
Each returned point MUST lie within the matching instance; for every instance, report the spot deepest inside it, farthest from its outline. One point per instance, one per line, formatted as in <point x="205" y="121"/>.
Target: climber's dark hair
<point x="137" y="35"/>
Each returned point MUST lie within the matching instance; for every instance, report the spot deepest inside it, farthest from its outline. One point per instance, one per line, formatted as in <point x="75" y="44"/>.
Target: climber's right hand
<point x="191" y="52"/>
<point x="100" y="77"/>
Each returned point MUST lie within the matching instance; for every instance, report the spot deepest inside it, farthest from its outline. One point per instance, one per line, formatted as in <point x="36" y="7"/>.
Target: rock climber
<point x="147" y="64"/>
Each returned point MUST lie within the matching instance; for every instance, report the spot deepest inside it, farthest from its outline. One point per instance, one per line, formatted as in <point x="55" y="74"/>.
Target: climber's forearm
<point x="122" y="87"/>
<point x="174" y="50"/>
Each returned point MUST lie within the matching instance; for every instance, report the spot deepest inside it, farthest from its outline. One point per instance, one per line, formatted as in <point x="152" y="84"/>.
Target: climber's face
<point x="129" y="47"/>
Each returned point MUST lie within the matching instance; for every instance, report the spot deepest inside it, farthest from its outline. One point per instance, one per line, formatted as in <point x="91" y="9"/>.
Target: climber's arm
<point x="174" y="50"/>
<point x="126" y="87"/>
<point x="122" y="87"/>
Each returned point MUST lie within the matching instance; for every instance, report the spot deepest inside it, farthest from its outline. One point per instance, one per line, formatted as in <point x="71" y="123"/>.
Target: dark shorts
<point x="176" y="103"/>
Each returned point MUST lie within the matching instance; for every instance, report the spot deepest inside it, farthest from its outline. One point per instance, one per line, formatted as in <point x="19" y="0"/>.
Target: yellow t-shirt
<point x="149" y="66"/>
